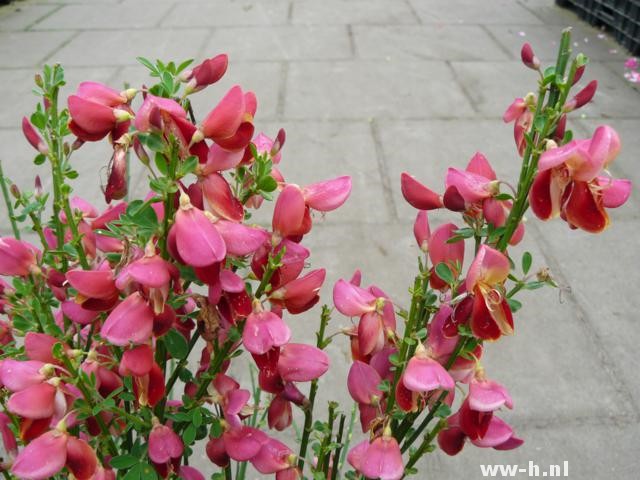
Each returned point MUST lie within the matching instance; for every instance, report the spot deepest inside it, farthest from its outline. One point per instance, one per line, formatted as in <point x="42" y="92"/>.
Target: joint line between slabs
<point x="383" y="171"/>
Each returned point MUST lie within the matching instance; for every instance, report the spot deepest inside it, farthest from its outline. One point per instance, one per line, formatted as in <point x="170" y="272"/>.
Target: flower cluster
<point x="632" y="74"/>
<point x="101" y="320"/>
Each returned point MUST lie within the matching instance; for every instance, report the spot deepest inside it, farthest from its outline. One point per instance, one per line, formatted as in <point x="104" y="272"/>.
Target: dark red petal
<point x="584" y="209"/>
<point x="483" y="325"/>
<point x="540" y="195"/>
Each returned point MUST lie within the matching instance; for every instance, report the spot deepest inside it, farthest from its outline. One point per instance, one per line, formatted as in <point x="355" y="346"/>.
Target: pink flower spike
<point x="615" y="191"/>
<point x="517" y="108"/>
<point x="421" y="230"/>
<point x="424" y="374"/>
<point x="130" y="322"/>
<point x="263" y="331"/>
<point x="351" y="300"/>
<point x="488" y="396"/>
<point x="383" y="459"/>
<point x="43" y="458"/>
<point x="417" y="195"/>
<point x="302" y="363"/>
<point x="328" y="195"/>
<point x="197" y="240"/>
<point x="164" y="444"/>
<point x="33" y="137"/>
<point x="362" y="382"/>
<point x="289" y="211"/>
<point x="489" y="267"/>
<point x="225" y="119"/>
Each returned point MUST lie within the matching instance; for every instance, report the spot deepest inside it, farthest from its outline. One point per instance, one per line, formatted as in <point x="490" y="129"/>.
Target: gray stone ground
<point x="373" y="88"/>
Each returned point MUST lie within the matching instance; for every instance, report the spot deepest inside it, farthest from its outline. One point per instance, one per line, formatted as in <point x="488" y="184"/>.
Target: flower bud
<point x="33" y="138"/>
<point x="578" y="75"/>
<point x="529" y="58"/>
<point x="583" y="97"/>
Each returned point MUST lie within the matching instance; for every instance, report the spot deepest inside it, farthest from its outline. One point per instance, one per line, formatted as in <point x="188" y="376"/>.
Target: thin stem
<point x="335" y="465"/>
<point x="324" y="457"/>
<point x="8" y="204"/>
<point x="428" y="439"/>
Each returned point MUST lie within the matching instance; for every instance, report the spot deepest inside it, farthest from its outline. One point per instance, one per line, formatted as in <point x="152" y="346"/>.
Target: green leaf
<point x="148" y="472"/>
<point x="71" y="174"/>
<point x="514" y="304"/>
<point x="153" y="141"/>
<point x="38" y="120"/>
<point x="549" y="75"/>
<point x="267" y="184"/>
<point x="134" y="474"/>
<point x="196" y="418"/>
<point x="444" y="272"/>
<point x="443" y="411"/>
<point x="534" y="285"/>
<point x="394" y="359"/>
<point x="176" y="344"/>
<point x="189" y="435"/>
<point x="216" y="428"/>
<point x="124" y="461"/>
<point x="526" y="262"/>
<point x="184" y="65"/>
<point x="503" y="196"/>
<point x="188" y="166"/>
<point x="40" y="159"/>
<point x="421" y="334"/>
<point x="540" y="122"/>
<point x="147" y="64"/>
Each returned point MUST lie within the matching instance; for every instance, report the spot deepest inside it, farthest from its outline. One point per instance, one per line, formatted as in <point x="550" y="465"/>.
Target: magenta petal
<point x="272" y="457"/>
<point x="615" y="191"/>
<point x="220" y="159"/>
<point x="488" y="396"/>
<point x="34" y="402"/>
<point x="421" y="230"/>
<point x="263" y="331"/>
<point x="42" y="458"/>
<point x="130" y="322"/>
<point x="190" y="473"/>
<point x="302" y="363"/>
<point x="481" y="166"/>
<point x="356" y="455"/>
<point x="230" y="281"/>
<point x="383" y="459"/>
<point x="242" y="444"/>
<point x="497" y="433"/>
<point x="289" y="212"/>
<point x="16" y="375"/>
<point x="151" y="271"/>
<point x="223" y="121"/>
<point x="328" y="195"/>
<point x="489" y="267"/>
<point x="136" y="361"/>
<point x="236" y="400"/>
<point x="424" y="374"/>
<point x="198" y="242"/>
<point x="351" y="300"/>
<point x="417" y="195"/>
<point x="370" y="333"/>
<point x="471" y="186"/>
<point x="76" y="313"/>
<point x="362" y="382"/>
<point x="241" y="239"/>
<point x="164" y="444"/>
<point x="93" y="283"/>
<point x="442" y="252"/>
<point x="513" y="442"/>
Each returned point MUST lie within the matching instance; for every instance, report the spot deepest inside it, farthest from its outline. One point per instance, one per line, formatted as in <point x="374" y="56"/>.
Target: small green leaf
<point x="421" y="334"/>
<point x="135" y="473"/>
<point x="38" y="120"/>
<point x="526" y="262"/>
<point x="444" y="272"/>
<point x="534" y="285"/>
<point x="196" y="418"/>
<point x="443" y="411"/>
<point x="176" y="344"/>
<point x="514" y="304"/>
<point x="124" y="461"/>
<point x="189" y="435"/>
<point x="503" y="196"/>
<point x="184" y="65"/>
<point x="267" y="184"/>
<point x="39" y="159"/>
<point x="148" y="472"/>
<point x="188" y="166"/>
<point x="147" y="64"/>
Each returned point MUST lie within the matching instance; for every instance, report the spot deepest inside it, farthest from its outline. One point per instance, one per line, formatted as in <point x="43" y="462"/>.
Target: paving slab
<point x="115" y="46"/>
<point x="20" y="16"/>
<point x="364" y="89"/>
<point x="34" y="47"/>
<point x="132" y="15"/>
<point x="222" y="12"/>
<point x="426" y="42"/>
<point x="473" y="12"/>
<point x="296" y="42"/>
<point x="369" y="12"/>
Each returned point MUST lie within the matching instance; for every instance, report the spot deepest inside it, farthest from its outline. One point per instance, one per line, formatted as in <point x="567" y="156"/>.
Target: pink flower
<point x="290" y="213"/>
<point x="327" y="195"/>
<point x="631" y="63"/>
<point x="417" y="195"/>
<point x="363" y="381"/>
<point x="96" y="109"/>
<point x="273" y="456"/>
<point x="488" y="395"/>
<point x="229" y="123"/>
<point x="302" y="363"/>
<point x="442" y="251"/>
<point x="116" y="188"/>
<point x="568" y="183"/>
<point x="263" y="331"/>
<point x="529" y="58"/>
<point x="300" y="294"/>
<point x="351" y="300"/>
<point x="45" y="456"/>
<point x="422" y="231"/>
<point x="583" y="97"/>
<point x="379" y="459"/>
<point x="220" y="199"/>
<point x="164" y="444"/>
<point x="17" y="258"/>
<point x="424" y="374"/>
<point x="34" y="139"/>
<point x="207" y="73"/>
<point x="491" y="316"/>
<point x="197" y="241"/>
<point x="130" y="322"/>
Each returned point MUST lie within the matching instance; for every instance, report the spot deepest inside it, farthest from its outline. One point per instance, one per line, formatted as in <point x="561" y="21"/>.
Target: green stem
<point x="183" y="363"/>
<point x="324" y="457"/>
<point x="227" y="472"/>
<point x="313" y="389"/>
<point x="428" y="439"/>
<point x="7" y="202"/>
<point x="335" y="466"/>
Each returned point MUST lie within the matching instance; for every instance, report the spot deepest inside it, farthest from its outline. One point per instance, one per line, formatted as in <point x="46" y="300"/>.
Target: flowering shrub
<point x="103" y="315"/>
